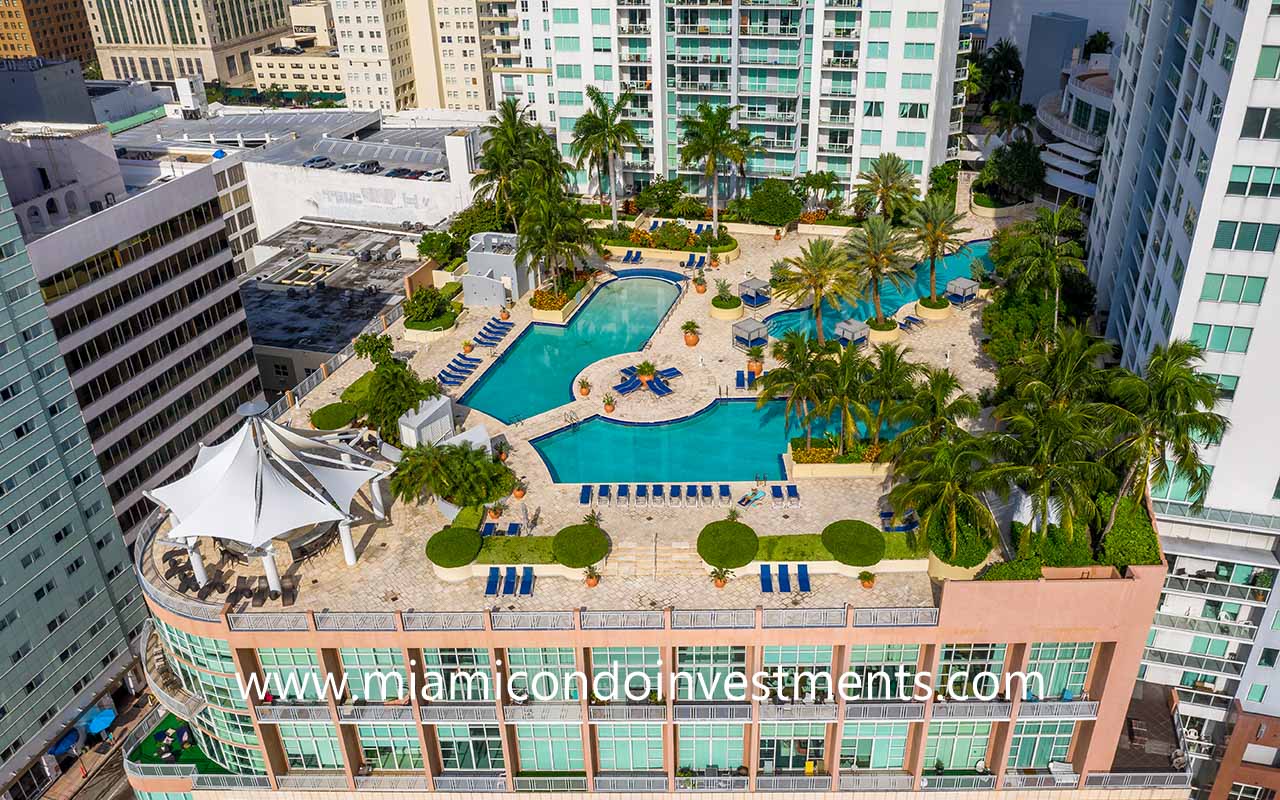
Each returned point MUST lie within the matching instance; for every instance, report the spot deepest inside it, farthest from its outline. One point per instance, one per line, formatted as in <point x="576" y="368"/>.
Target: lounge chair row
<point x="784" y="579"/>
<point x="666" y="374"/>
<point x="792" y="498"/>
<point x="746" y="379"/>
<point x="493" y="332"/>
<point x="859" y="342"/>
<point x="506" y="584"/>
<point x="910" y="323"/>
<point x="459" y="369"/>
<point x="909" y="522"/>
<point x="657" y="384"/>
<point x="961" y="300"/>
<point x="696" y="232"/>
<point x="656" y="494"/>
<point x="633" y="257"/>
<point x="696" y="261"/>
<point x="491" y="529"/>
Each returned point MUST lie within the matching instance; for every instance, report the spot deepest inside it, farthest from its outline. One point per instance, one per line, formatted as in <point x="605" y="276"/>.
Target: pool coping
<point x="507" y="350"/>
<point x="555" y="478"/>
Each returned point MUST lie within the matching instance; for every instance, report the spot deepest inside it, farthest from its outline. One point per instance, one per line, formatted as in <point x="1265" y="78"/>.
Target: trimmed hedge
<point x="580" y="545"/>
<point x="453" y="547"/>
<point x="854" y="542"/>
<point x="728" y="544"/>
<point x="450" y="290"/>
<point x="726" y="303"/>
<point x="971" y="548"/>
<point x="1022" y="569"/>
<point x="1132" y="540"/>
<point x="469" y="517"/>
<point x="333" y="416"/>
<point x="516" y="550"/>
<point x="938" y="306"/>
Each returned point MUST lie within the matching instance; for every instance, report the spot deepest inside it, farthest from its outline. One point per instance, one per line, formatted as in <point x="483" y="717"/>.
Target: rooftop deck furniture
<point x="775" y="492"/>
<point x="584" y="496"/>
<point x="642" y="494"/>
<point x="624" y="494"/>
<point x="802" y="578"/>
<point x="748" y="333"/>
<point x="725" y="497"/>
<point x="628" y="386"/>
<point x="526" y="582"/>
<point x="604" y="494"/>
<point x="793" y="495"/>
<point x="509" y="581"/>
<point x="491" y="586"/>
<point x="766" y="579"/>
<point x="784" y="579"/>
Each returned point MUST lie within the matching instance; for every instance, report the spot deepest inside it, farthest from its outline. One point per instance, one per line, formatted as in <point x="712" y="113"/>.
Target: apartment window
<point x="603" y="72"/>
<point x="622" y="662"/>
<point x="878" y="19"/>
<point x="957" y="745"/>
<point x="707" y="745"/>
<point x="1254" y="181"/>
<point x="470" y="747"/>
<point x="567" y="44"/>
<point x="629" y="747"/>
<point x="601" y="44"/>
<point x="550" y="747"/>
<point x="599" y="16"/>
<point x="1268" y="63"/>
<point x="564" y="16"/>
<point x="568" y="71"/>
<point x="1268" y="657"/>
<point x="1221" y="338"/>
<point x="311" y="746"/>
<point x="872" y="108"/>
<point x="1245" y="289"/>
<point x="917" y="80"/>
<point x="871" y="137"/>
<point x="922" y="19"/>
<point x="1261" y="123"/>
<point x="913" y="110"/>
<point x="1229" y="47"/>
<point x="1257" y="691"/>
<point x="918" y="50"/>
<point x="570" y="98"/>
<point x="877" y="49"/>
<point x="1251" y="236"/>
<point x="873" y="745"/>
<point x="875" y="80"/>
<point x="1036" y="744"/>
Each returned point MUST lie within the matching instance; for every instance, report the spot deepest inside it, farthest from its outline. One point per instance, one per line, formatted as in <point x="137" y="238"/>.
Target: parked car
<point x="398" y="172"/>
<point x="369" y="167"/>
<point x="414" y="174"/>
<point x="434" y="175"/>
<point x="318" y="162"/>
<point x="348" y="168"/>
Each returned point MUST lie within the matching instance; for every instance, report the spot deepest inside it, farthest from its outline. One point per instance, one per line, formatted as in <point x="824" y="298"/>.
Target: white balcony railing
<point x="627" y="712"/>
<point x="876" y="781"/>
<point x="1040" y="780"/>
<point x="717" y="618"/>
<point x="966" y="709"/>
<point x="470" y="782"/>
<point x="894" y="617"/>
<point x="543" y="712"/>
<point x="1059" y="709"/>
<point x="631" y="782"/>
<point x="557" y="783"/>
<point x="799" y="712"/>
<point x="443" y="711"/>
<point x="899" y="711"/>
<point x="701" y="712"/>
<point x="793" y="783"/>
<point x="710" y="783"/>
<point x="957" y="783"/>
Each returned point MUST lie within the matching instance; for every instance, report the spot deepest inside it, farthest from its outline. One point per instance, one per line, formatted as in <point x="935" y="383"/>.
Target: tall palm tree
<point x="938" y="234"/>
<point x="890" y="381"/>
<point x="1164" y="413"/>
<point x="888" y="185"/>
<point x="821" y="271"/>
<point x="1070" y="370"/>
<point x="847" y="375"/>
<point x="600" y="134"/>
<point x="747" y="145"/>
<point x="1009" y="120"/>
<point x="1045" y="248"/>
<point x="554" y="237"/>
<point x="463" y="474"/>
<point x="507" y="136"/>
<point x="1003" y="64"/>
<point x="801" y="377"/>
<point x="710" y="140"/>
<point x="944" y="482"/>
<point x="933" y="411"/>
<point x="878" y="253"/>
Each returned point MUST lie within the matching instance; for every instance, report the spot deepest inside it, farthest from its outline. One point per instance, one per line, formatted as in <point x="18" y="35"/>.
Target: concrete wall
<point x="130" y="99"/>
<point x="54" y="93"/>
<point x="1050" y="41"/>
<point x="1011" y="19"/>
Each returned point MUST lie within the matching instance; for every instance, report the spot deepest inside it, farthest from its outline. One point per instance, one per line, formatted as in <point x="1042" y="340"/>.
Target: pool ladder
<point x="571" y="419"/>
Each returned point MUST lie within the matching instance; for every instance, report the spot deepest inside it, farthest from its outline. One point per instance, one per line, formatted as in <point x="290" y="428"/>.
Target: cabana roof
<point x="752" y="285"/>
<point x="851" y="329"/>
<point x="750" y="329"/>
<point x="962" y="286"/>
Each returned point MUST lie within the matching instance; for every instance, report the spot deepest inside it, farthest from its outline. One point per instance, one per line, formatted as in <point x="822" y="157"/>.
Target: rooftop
<point x="255" y="127"/>
<point x="1151" y="733"/>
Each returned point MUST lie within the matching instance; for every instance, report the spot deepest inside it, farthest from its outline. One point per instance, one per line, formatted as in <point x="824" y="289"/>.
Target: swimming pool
<point x="729" y="440"/>
<point x="957" y="265"/>
<point x="536" y="372"/>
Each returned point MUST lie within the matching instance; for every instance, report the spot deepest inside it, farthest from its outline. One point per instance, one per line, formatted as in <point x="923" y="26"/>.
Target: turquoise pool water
<point x="536" y="372"/>
<point x="892" y="298"/>
<point x="730" y="440"/>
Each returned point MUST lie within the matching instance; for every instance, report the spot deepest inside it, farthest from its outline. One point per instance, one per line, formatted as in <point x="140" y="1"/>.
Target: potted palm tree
<point x="519" y="491"/>
<point x="700" y="282"/>
<point x="645" y="371"/>
<point x="609" y="404"/>
<point x="879" y="254"/>
<point x="467" y="346"/>
<point x="502" y="449"/>
<point x="690" y="329"/>
<point x="495" y="510"/>
<point x="592" y="575"/>
<point x="720" y="576"/>
<point x="755" y="359"/>
<point x="867" y="579"/>
<point x="584" y="387"/>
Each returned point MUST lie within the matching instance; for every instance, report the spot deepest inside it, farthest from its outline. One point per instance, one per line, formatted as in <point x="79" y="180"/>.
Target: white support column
<point x="376" y="487"/>
<point x="197" y="563"/>
<point x="269" y="567"/>
<point x="348" y="545"/>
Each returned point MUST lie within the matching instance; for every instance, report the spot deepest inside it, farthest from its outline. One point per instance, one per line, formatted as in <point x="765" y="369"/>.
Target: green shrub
<point x="1014" y="171"/>
<point x="1053" y="548"/>
<point x="469" y="517"/>
<point x="660" y="195"/>
<point x="943" y="180"/>
<point x="971" y="547"/>
<point x="985" y="200"/>
<point x="333" y="416"/>
<point x="453" y="547"/>
<point x="673" y="236"/>
<point x="451" y="290"/>
<point x="732" y="301"/>
<point x="689" y="207"/>
<point x="516" y="550"/>
<point x="773" y="203"/>
<point x="888" y="325"/>
<point x="424" y="304"/>
<point x="728" y="543"/>
<point x="793" y="547"/>
<point x="1132" y="540"/>
<point x="438" y="246"/>
<point x="854" y="542"/>
<point x="1022" y="569"/>
<point x="940" y="303"/>
<point x="355" y="394"/>
<point x="580" y="546"/>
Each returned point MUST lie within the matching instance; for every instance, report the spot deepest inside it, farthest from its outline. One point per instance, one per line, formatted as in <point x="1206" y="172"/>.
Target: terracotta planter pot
<point x="777" y="236"/>
<point x="691" y="339"/>
<point x="721" y="583"/>
<point x="756" y="366"/>
<point x="593" y="582"/>
<point x="700" y="288"/>
<point x="518" y="493"/>
<point x="644" y="378"/>
<point x="504" y="314"/>
<point x="467" y="348"/>
<point x="502" y="456"/>
<point x="494" y="514"/>
<point x="584" y="392"/>
<point x="868" y="584"/>
<point x="608" y="408"/>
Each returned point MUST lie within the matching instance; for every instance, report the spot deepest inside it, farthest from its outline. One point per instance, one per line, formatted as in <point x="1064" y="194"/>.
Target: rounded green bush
<point x="726" y="302"/>
<point x="940" y="304"/>
<point x="854" y="542"/>
<point x="971" y="548"/>
<point x="453" y="547"/>
<point x="580" y="546"/>
<point x="728" y="544"/>
<point x="333" y="416"/>
<point x="889" y="324"/>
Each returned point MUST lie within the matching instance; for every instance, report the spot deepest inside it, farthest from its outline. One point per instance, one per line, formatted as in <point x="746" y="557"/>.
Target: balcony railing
<point x="840" y="91"/>
<point x="1221" y="666"/>
<point x="967" y="709"/>
<point x="375" y="713"/>
<point x="770" y="59"/>
<point x="785" y="90"/>
<point x="1040" y="780"/>
<point x="716" y="618"/>
<point x="634" y="58"/>
<point x="841" y="62"/>
<point x="543" y="712"/>
<point x="391" y="783"/>
<point x="532" y="620"/>
<point x="836" y="119"/>
<point x="804" y="617"/>
<point x="894" y="617"/>
<point x="1209" y="588"/>
<point x="701" y="712"/>
<point x="269" y="621"/>
<point x="164" y="684"/>
<point x="799" y="712"/>
<point x="704" y="30"/>
<point x="292" y="712"/>
<point x="621" y="620"/>
<point x="443" y="620"/>
<point x="558" y="783"/>
<point x="841" y="33"/>
<point x="780" y="3"/>
<point x="769" y="30"/>
<point x="443" y="711"/>
<point x="631" y="782"/>
<point x="703" y="86"/>
<point x="634" y="30"/>
<point x="1049" y="113"/>
<point x="155" y="587"/>
<point x="627" y="712"/>
<point x="708" y="783"/>
<point x="899" y="711"/>
<point x="358" y="621"/>
<point x="335" y="781"/>
<point x="835" y="147"/>
<point x="793" y="783"/>
<point x="767" y="116"/>
<point x="876" y="781"/>
<point x="1212" y="627"/>
<point x="1137" y="780"/>
<point x="199" y="781"/>
<point x="1237" y="519"/>
<point x="957" y="783"/>
<point x="636" y="86"/>
<point x="474" y="782"/>
<point x="844" y="3"/>
<point x="1059" y="709"/>
<point x="703" y="58"/>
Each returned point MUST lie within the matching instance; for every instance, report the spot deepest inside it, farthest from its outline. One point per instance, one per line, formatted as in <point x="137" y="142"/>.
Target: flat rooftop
<point x="255" y="126"/>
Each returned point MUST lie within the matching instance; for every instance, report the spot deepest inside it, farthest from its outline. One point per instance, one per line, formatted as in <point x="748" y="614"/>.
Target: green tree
<point x="1068" y="370"/>
<point x="1009" y="120"/>
<point x="600" y="134"/>
<point x="1002" y="63"/>
<point x="933" y="411"/>
<point x="878" y="253"/>
<point x="303" y="96"/>
<point x="820" y="272"/>
<point x="944" y="481"/>
<point x="890" y="382"/>
<point x="461" y="474"/>
<point x="888" y="186"/>
<point x="660" y="195"/>
<point x="844" y="393"/>
<point x="801" y="377"/>
<point x="1098" y="42"/>
<point x="92" y="70"/>
<point x="938" y="234"/>
<point x="1014" y="169"/>
<point x="554" y="237"/>
<point x="502" y="155"/>
<point x="437" y="246"/>
<point x="377" y="347"/>
<point x="273" y="95"/>
<point x="394" y="389"/>
<point x="773" y="203"/>
<point x="1045" y="248"/>
<point x="748" y="144"/>
<point x="1160" y="419"/>
<point x="710" y="140"/>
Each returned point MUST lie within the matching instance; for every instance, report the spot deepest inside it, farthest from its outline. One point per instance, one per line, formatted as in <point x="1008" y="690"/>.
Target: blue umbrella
<point x="101" y="721"/>
<point x="64" y="744"/>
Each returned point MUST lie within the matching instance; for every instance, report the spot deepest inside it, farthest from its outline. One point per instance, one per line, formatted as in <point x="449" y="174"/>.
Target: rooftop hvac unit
<point x="191" y="97"/>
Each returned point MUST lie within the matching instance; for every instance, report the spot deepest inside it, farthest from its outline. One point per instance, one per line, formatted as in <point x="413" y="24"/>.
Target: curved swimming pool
<point x="536" y="372"/>
<point x="957" y="265"/>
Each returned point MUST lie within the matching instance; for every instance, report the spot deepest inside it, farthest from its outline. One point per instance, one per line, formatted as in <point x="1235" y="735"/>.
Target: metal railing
<point x="1059" y="709"/>
<point x="543" y="712"/>
<point x="1222" y="666"/>
<point x="806" y="617"/>
<point x="560" y="783"/>
<point x="318" y="782"/>
<point x="767" y="116"/>
<point x="835" y="147"/>
<point x="1212" y="627"/>
<point x="631" y="782"/>
<point x="622" y="620"/>
<point x="799" y="712"/>
<point x="1041" y="780"/>
<point x="793" y="783"/>
<point x="201" y="781"/>
<point x="709" y="783"/>
<point x="841" y="62"/>
<point x="155" y="587"/>
<point x="391" y="783"/>
<point x="166" y="686"/>
<point x="972" y="710"/>
<point x="957" y="783"/>
<point x="900" y="711"/>
<point x="695" y="711"/>
<point x="633" y="30"/>
<point x="1202" y="586"/>
<point x="1137" y="780"/>
<point x="894" y="617"/>
<point x="459" y="712"/>
<point x="627" y="712"/>
<point x="704" y="29"/>
<point x="470" y="783"/>
<point x="443" y="620"/>
<point x="769" y="30"/>
<point x="870" y="781"/>
<point x="375" y="713"/>
<point x="1049" y="113"/>
<point x="309" y="712"/>
<point x="532" y="620"/>
<point x="1223" y="516"/>
<point x="268" y="621"/>
<point x="714" y="618"/>
<point x="702" y="86"/>
<point x="355" y="621"/>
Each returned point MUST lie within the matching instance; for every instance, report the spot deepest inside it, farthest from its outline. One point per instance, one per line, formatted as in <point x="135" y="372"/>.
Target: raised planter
<point x="924" y="312"/>
<point x="729" y="314"/>
<point x="833" y="567"/>
<point x="459" y="574"/>
<point x="860" y="469"/>
<point x="882" y="337"/>
<point x="835" y="231"/>
<point x="1004" y="212"/>
<point x="420" y="336"/>
<point x="561" y="315"/>
<point x="670" y="255"/>
<point x="440" y="277"/>
<point x="943" y="571"/>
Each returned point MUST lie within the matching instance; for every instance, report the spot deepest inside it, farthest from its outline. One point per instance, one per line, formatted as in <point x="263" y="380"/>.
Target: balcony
<point x="164" y="684"/>
<point x="635" y="58"/>
<point x="835" y="119"/>
<point x="890" y="710"/>
<point x="1230" y="629"/>
<point x="704" y="58"/>
<point x="770" y="59"/>
<point x="446" y="711"/>
<point x="532" y="620"/>
<point x="637" y="166"/>
<point x="1059" y="709"/>
<point x="711" y="87"/>
<point x="678" y="3"/>
<point x="771" y="3"/>
<point x="769" y="30"/>
<point x="767" y="115"/>
<point x="391" y="782"/>
<point x="694" y="711"/>
<point x="636" y="86"/>
<point x="559" y="783"/>
<point x="784" y="146"/>
<point x="840" y="33"/>
<point x="840" y="62"/>
<point x="839" y="148"/>
<point x="443" y="620"/>
<point x="1226" y="667"/>
<point x="876" y="781"/>
<point x="773" y="90"/>
<point x="313" y="780"/>
<point x="965" y="45"/>
<point x="894" y="617"/>
<point x="1040" y="780"/>
<point x="627" y="712"/>
<point x="375" y="712"/>
<point x="292" y="712"/>
<point x="1217" y="589"/>
<point x="970" y="709"/>
<point x="958" y="783"/>
<point x="799" y="712"/>
<point x="844" y="3"/>
<point x="543" y="712"/>
<point x="704" y="29"/>
<point x="631" y="782"/>
<point x="711" y="783"/>
<point x="634" y="30"/>
<point x="793" y="783"/>
<point x="840" y="91"/>
<point x="471" y="782"/>
<point x="1137" y="780"/>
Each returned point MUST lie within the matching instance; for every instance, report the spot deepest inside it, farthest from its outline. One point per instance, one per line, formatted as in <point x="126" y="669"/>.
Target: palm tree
<point x="1098" y="42"/>
<point x="601" y="133"/>
<point x="888" y="185"/>
<point x="890" y="381"/>
<point x="801" y="376"/>
<point x="1003" y="64"/>
<point x="975" y="83"/>
<point x="507" y="136"/>
<point x="1069" y="370"/>
<point x="938" y="234"/>
<point x="553" y="236"/>
<point x="463" y="474"/>
<point x="710" y="140"/>
<point x="847" y="375"/>
<point x="747" y="145"/>
<point x="1164" y="412"/>
<point x="878" y="253"/>
<point x="933" y="411"/>
<point x="945" y="481"/>
<point x="821" y="271"/>
<point x="1045" y="248"/>
<point x="1009" y="120"/>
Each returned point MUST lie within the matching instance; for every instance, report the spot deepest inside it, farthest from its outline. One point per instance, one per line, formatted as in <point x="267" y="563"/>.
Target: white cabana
<point x="851" y="330"/>
<point x="748" y="333"/>
<point x="754" y="292"/>
<point x="264" y="482"/>
<point x="961" y="290"/>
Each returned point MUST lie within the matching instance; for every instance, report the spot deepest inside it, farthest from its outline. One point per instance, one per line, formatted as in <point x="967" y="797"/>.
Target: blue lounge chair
<point x="669" y="373"/>
<point x="627" y="372"/>
<point x="513" y="529"/>
<point x="457" y="376"/>
<point x="488" y="529"/>
<point x="741" y="380"/>
<point x="698" y="231"/>
<point x="658" y="498"/>
<point x="603" y="494"/>
<point x="902" y="326"/>
<point x="751" y="380"/>
<point x="584" y="496"/>
<point x="659" y="387"/>
<point x="642" y="493"/>
<point x="725" y="497"/>
<point x="526" y="582"/>
<point x="461" y="367"/>
<point x="707" y="497"/>
<point x="859" y="342"/>
<point x="675" y="494"/>
<point x="914" y="321"/>
<point x="624" y="493"/>
<point x="775" y="492"/>
<point x="654" y="226"/>
<point x="628" y="386"/>
<point x="702" y="262"/>
<point x="793" y="495"/>
<point x="637" y="258"/>
<point x="494" y="333"/>
<point x="448" y="381"/>
<point x="509" y="581"/>
<point x="690" y="495"/>
<point x="627" y="258"/>
<point x="484" y="341"/>
<point x="784" y="579"/>
<point x="491" y="586"/>
<point x="468" y="359"/>
<point x="766" y="579"/>
<point x="693" y="259"/>
<point x="502" y="322"/>
<point x="802" y="578"/>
